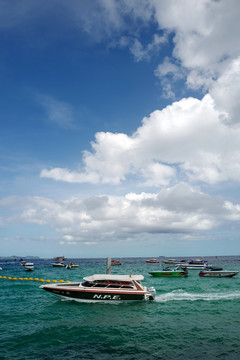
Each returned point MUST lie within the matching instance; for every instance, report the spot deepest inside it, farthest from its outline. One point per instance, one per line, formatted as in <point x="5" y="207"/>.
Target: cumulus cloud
<point x="206" y="46"/>
<point x="188" y="138"/>
<point x="191" y="138"/>
<point x="178" y="209"/>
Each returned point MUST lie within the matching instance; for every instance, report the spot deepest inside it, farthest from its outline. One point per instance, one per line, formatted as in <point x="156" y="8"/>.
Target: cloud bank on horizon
<point x="171" y="163"/>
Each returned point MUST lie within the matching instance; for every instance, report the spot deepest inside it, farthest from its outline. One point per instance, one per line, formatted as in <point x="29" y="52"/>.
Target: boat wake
<point x="180" y="295"/>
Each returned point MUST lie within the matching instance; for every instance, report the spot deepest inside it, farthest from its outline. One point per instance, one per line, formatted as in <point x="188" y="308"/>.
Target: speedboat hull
<point x="169" y="273"/>
<point x="218" y="273"/>
<point x="94" y="294"/>
<point x="58" y="264"/>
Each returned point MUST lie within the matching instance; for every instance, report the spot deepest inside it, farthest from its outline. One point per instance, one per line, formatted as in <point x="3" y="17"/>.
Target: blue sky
<point x="119" y="128"/>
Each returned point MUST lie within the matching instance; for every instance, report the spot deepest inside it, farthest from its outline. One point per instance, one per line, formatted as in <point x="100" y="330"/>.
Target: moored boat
<point x="213" y="268"/>
<point x="58" y="264"/>
<point x="220" y="273"/>
<point x="198" y="262"/>
<point x="115" y="262"/>
<point x="71" y="265"/>
<point x="152" y="261"/>
<point x="168" y="272"/>
<point x="29" y="266"/>
<point x="59" y="258"/>
<point x="103" y="287"/>
<point x="194" y="266"/>
<point x="169" y="261"/>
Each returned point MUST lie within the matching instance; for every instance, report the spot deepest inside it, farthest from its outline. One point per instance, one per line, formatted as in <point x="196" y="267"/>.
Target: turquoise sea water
<point x="192" y="318"/>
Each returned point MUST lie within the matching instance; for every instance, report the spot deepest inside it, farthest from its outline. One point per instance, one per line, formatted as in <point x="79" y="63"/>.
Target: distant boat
<point x="152" y="261"/>
<point x="169" y="261"/>
<point x="189" y="263"/>
<point x="116" y="262"/>
<point x="29" y="266"/>
<point x="58" y="264"/>
<point x="213" y="268"/>
<point x="220" y="273"/>
<point x="168" y="272"/>
<point x="71" y="266"/>
<point x="194" y="266"/>
<point x="198" y="262"/>
<point x="59" y="258"/>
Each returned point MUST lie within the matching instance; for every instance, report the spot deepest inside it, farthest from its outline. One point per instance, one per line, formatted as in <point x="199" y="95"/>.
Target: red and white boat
<point x="116" y="262"/>
<point x="220" y="273"/>
<point x="152" y="261"/>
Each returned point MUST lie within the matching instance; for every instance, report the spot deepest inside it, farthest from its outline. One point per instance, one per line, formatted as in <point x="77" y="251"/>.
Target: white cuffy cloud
<point x="188" y="138"/>
<point x="178" y="209"/>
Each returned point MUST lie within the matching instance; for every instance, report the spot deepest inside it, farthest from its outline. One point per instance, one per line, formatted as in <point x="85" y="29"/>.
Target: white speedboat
<point x="58" y="264"/>
<point x="29" y="266"/>
<point x="71" y="266"/>
<point x="196" y="264"/>
<point x="103" y="287"/>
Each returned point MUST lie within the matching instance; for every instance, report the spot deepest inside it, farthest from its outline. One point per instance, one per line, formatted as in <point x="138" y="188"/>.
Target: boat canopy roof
<point x="113" y="277"/>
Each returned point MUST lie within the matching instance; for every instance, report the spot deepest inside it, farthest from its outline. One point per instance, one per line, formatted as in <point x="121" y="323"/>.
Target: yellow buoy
<point x="54" y="281"/>
<point x="68" y="281"/>
<point x="42" y="280"/>
<point x="0" y="277"/>
<point x="9" y="278"/>
<point x="36" y="279"/>
<point x="25" y="279"/>
<point x="14" y="278"/>
<point x="48" y="281"/>
<point x="30" y="279"/>
<point x="4" y="277"/>
<point x="20" y="278"/>
<point x="61" y="280"/>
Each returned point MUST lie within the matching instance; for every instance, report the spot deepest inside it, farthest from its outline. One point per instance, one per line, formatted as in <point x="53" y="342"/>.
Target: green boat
<point x="168" y="272"/>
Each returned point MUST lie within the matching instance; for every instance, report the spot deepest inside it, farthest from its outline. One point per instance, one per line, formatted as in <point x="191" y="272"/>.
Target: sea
<point x="191" y="318"/>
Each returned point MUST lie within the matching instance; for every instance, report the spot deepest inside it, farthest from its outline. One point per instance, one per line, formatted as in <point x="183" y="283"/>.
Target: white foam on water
<point x="181" y="295"/>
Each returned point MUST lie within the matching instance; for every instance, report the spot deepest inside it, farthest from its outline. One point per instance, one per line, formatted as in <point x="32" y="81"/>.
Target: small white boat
<point x="58" y="264"/>
<point x="71" y="266"/>
<point x="103" y="287"/>
<point x="29" y="266"/>
<point x="194" y="266"/>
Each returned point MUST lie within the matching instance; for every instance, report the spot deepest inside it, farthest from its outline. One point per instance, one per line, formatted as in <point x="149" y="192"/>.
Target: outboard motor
<point x="152" y="291"/>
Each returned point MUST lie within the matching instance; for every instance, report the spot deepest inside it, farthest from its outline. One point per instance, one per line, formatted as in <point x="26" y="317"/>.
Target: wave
<point x="180" y="295"/>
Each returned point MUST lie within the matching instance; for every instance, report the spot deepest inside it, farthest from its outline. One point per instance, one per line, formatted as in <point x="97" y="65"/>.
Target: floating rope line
<point x="32" y="279"/>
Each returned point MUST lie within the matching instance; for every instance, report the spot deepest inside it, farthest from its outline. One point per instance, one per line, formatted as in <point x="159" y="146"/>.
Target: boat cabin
<point x="113" y="281"/>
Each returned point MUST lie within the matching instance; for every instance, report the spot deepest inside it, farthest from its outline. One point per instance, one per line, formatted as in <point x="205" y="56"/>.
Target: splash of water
<point x="181" y="295"/>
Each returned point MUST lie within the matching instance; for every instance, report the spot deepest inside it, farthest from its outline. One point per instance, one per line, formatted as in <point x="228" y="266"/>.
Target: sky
<point x="120" y="128"/>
